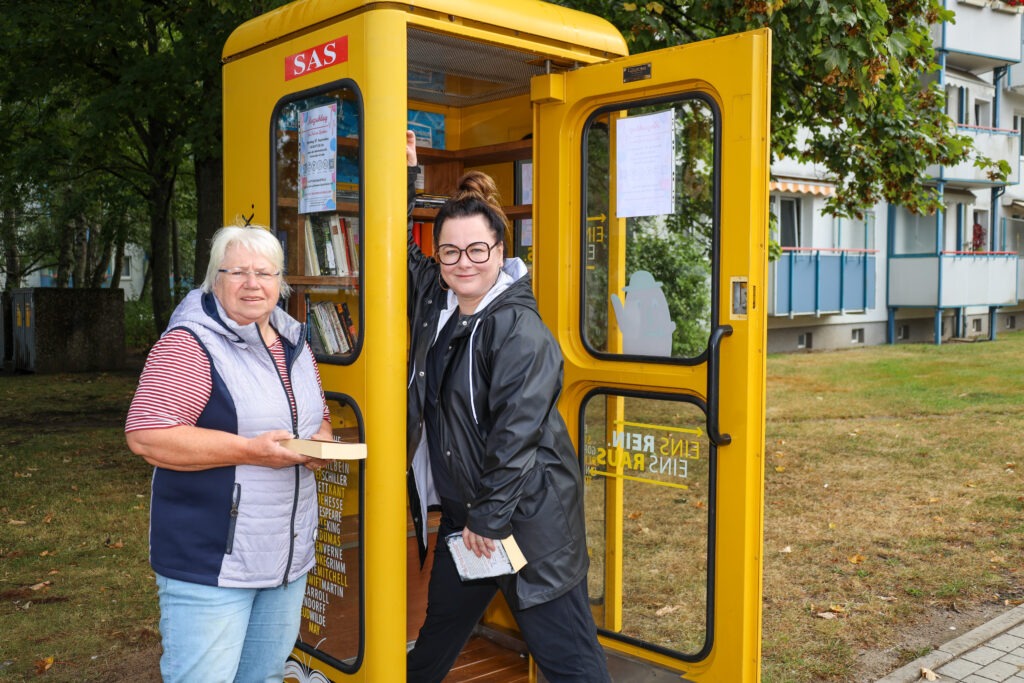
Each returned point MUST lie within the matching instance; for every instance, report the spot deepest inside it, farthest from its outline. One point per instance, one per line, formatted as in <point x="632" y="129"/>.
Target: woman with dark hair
<point x="488" y="447"/>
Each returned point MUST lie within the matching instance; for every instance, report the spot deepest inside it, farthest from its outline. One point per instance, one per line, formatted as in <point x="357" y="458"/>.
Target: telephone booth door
<point x="650" y="178"/>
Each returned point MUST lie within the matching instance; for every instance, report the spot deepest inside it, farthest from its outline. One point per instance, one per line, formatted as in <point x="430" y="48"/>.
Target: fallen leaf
<point x="632" y="515"/>
<point x="928" y="674"/>
<point x="787" y="549"/>
<point x="780" y="468"/>
<point x="17" y="522"/>
<point x="970" y="484"/>
<point x="856" y="559"/>
<point x="41" y="585"/>
<point x="667" y="609"/>
<point x="825" y="615"/>
<point x="43" y="665"/>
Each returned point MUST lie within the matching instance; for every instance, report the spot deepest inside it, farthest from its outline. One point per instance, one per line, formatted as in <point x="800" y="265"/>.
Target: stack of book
<point x="332" y="245"/>
<point x="330" y="328"/>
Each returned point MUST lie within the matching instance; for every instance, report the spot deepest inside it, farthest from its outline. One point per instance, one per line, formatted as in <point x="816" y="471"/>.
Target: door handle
<point x="714" y="344"/>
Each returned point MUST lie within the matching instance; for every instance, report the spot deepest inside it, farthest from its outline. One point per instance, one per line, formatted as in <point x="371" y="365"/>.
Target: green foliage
<point x="105" y="106"/>
<point x="139" y="331"/>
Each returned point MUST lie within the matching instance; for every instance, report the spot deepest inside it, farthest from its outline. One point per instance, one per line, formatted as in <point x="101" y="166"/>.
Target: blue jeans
<point x="225" y="635"/>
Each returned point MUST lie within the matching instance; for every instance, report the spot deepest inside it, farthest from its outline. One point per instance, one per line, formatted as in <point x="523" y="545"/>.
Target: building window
<point x="1011" y="322"/>
<point x="976" y="325"/>
<point x="857" y="335"/>
<point x="903" y="332"/>
<point x="789" y="222"/>
<point x="126" y="268"/>
<point x="983" y="113"/>
<point x="1018" y="125"/>
<point x="804" y="341"/>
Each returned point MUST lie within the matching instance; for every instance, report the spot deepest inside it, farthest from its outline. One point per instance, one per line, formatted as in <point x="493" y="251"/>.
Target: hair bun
<point x="479" y="185"/>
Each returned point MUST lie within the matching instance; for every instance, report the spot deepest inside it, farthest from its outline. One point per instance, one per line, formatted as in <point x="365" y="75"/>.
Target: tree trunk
<point x="209" y="174"/>
<point x="12" y="259"/>
<point x="159" y="250"/>
<point x="66" y="257"/>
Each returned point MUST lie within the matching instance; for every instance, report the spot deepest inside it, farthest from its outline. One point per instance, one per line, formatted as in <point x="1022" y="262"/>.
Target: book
<point x="327" y="450"/>
<point x="339" y="247"/>
<point x="322" y="249"/>
<point x="506" y="558"/>
<point x="312" y="265"/>
<point x="346" y="321"/>
<point x="350" y="229"/>
<point x="313" y="334"/>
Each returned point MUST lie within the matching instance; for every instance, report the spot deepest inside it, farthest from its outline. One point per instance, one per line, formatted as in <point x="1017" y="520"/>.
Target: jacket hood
<point x="513" y="272"/>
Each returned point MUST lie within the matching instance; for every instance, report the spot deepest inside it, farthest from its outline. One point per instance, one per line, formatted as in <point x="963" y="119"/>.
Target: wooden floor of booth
<point x="484" y="661"/>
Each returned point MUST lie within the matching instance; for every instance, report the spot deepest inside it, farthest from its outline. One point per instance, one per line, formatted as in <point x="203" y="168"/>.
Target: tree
<point x="852" y="76"/>
<point x="127" y="91"/>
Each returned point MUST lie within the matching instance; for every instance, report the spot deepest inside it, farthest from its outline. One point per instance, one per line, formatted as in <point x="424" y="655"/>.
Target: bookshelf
<point x="323" y="249"/>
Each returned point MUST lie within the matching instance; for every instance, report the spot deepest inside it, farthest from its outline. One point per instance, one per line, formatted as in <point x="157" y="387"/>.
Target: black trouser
<point x="560" y="634"/>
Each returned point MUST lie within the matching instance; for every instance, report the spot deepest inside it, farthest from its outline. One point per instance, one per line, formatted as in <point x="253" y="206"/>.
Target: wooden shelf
<point x="346" y="282"/>
<point x="518" y="150"/>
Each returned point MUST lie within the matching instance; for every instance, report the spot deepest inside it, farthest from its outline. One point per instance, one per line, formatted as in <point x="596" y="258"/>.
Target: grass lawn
<point x="894" y="517"/>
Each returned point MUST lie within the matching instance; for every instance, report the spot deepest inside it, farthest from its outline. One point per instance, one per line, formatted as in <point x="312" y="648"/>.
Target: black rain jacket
<point x="508" y="449"/>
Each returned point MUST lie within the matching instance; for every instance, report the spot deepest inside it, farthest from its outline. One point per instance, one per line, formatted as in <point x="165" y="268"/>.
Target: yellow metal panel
<point x="734" y="73"/>
<point x="516" y="19"/>
<point x="385" y="349"/>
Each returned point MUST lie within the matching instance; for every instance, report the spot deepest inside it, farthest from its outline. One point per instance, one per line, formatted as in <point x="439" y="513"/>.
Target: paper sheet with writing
<point x="506" y="558"/>
<point x="645" y="165"/>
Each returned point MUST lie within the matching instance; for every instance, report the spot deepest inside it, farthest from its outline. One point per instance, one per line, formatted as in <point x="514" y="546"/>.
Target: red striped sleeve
<point x="175" y="384"/>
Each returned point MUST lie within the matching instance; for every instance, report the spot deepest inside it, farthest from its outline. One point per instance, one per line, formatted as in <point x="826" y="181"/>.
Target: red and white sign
<point x="327" y="54"/>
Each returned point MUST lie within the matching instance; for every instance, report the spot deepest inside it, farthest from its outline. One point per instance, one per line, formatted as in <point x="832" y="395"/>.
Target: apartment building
<point x="897" y="277"/>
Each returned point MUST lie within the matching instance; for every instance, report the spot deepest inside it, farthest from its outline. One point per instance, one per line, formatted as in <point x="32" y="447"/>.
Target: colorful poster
<point x="318" y="158"/>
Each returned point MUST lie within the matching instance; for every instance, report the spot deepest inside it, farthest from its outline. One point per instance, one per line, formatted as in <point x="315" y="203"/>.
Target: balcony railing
<point x="954" y="279"/>
<point x="995" y="143"/>
<point x="809" y="281"/>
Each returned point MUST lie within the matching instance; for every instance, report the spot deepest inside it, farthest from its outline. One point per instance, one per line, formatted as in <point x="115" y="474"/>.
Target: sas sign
<point x="315" y="58"/>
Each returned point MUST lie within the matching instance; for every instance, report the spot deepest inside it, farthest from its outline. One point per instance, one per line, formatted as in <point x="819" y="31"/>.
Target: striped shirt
<point x="176" y="384"/>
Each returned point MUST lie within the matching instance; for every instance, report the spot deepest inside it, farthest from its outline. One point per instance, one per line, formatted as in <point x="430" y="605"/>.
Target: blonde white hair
<point x="255" y="239"/>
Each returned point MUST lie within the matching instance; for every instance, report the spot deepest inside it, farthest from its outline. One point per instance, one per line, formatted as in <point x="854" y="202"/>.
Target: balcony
<point x="995" y="143"/>
<point x="806" y="281"/>
<point x="954" y="279"/>
<point x="987" y="34"/>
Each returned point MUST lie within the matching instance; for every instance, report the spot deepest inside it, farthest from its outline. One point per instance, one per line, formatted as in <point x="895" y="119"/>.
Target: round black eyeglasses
<point x="477" y="252"/>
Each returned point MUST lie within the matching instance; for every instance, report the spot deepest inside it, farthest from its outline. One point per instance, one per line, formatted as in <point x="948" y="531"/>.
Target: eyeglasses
<point x="477" y="252"/>
<point x="243" y="275"/>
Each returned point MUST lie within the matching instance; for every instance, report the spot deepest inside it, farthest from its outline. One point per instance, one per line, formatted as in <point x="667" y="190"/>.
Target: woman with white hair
<point x="234" y="513"/>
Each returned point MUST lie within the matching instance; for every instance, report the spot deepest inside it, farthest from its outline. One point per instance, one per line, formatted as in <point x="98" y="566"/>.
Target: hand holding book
<point x="506" y="558"/>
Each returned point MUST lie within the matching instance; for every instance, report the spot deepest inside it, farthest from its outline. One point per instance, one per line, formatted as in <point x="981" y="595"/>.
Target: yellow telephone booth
<point x="638" y="187"/>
